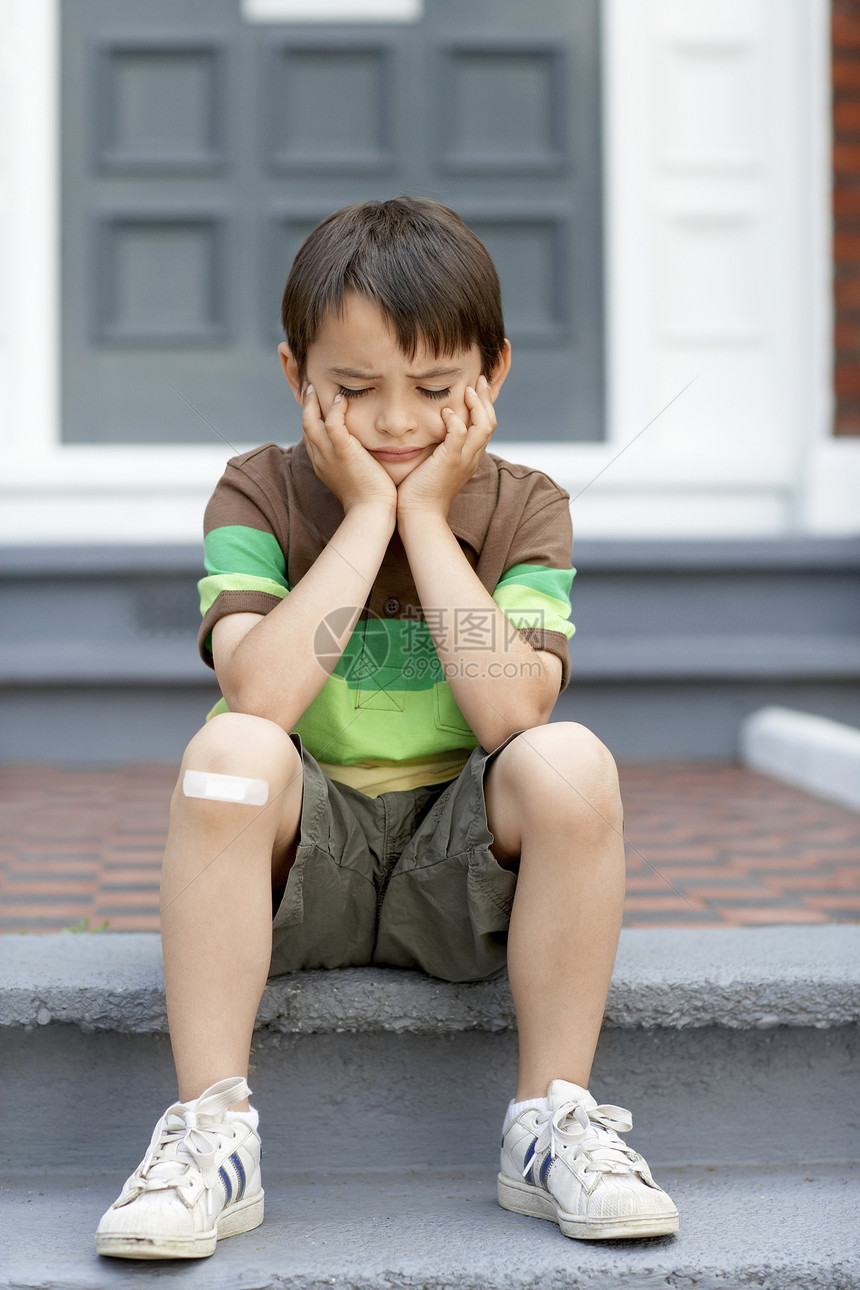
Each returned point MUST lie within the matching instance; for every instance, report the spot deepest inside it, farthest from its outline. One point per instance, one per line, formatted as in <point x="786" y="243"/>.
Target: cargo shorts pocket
<point x="326" y="918"/>
<point x="450" y="919"/>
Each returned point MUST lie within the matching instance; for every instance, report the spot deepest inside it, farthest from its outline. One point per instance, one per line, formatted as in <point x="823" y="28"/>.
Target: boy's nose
<point x="395" y="419"/>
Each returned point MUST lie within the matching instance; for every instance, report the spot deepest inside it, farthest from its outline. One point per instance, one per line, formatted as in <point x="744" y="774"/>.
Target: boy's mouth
<point x="395" y="454"/>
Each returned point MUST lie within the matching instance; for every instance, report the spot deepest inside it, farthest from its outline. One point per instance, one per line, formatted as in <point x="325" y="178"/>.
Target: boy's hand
<point x="432" y="486"/>
<point x="340" y="461"/>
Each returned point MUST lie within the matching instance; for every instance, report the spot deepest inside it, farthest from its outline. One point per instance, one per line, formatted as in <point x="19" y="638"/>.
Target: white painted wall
<point x="717" y="177"/>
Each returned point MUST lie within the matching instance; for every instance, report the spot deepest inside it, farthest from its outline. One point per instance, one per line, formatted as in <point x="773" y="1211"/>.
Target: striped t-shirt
<point x="386" y="706"/>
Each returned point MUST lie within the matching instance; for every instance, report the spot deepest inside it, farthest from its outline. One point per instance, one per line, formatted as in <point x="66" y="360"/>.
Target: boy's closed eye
<point x="358" y="394"/>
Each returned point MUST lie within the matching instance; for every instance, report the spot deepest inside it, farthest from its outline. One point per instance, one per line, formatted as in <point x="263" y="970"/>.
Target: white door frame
<point x="718" y="264"/>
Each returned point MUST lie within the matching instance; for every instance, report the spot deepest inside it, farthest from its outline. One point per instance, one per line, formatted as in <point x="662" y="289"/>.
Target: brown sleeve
<point x="544" y="536"/>
<point x="251" y="494"/>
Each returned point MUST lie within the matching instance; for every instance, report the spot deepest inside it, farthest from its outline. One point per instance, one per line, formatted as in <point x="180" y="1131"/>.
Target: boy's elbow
<point x="253" y="700"/>
<point x="522" y="716"/>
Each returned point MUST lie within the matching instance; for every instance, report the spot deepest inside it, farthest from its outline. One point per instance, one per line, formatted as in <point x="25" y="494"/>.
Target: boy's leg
<point x="221" y="864"/>
<point x="200" y="1178"/>
<point x="553" y="803"/>
<point x="552" y="800"/>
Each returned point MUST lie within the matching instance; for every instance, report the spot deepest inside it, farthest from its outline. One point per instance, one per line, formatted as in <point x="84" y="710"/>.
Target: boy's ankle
<point x="527" y="1103"/>
<point x="251" y="1117"/>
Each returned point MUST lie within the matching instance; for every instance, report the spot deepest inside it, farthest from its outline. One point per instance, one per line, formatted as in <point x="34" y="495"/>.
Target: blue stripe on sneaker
<point x="529" y="1157"/>
<point x="228" y="1186"/>
<point x="544" y="1169"/>
<point x="240" y="1174"/>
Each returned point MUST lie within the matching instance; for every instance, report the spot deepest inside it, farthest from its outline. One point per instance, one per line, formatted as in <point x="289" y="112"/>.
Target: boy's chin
<point x="398" y="470"/>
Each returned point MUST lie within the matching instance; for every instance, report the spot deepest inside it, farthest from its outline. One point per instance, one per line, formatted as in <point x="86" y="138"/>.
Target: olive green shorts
<point x="406" y="879"/>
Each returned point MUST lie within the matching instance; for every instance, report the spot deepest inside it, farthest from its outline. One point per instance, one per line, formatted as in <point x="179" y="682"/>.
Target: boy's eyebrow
<point x="353" y="373"/>
<point x="432" y="374"/>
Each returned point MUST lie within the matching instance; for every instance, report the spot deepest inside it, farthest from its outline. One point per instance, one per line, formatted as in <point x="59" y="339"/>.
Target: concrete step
<point x="381" y="1095"/>
<point x="740" y="978"/>
<point x="754" y="1227"/>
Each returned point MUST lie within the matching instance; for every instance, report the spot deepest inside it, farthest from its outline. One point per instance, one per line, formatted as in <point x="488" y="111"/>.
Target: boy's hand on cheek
<point x="340" y="461"/>
<point x="432" y="486"/>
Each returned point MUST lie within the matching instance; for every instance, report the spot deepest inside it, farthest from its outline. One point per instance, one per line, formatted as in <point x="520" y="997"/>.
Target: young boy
<point x="386" y="607"/>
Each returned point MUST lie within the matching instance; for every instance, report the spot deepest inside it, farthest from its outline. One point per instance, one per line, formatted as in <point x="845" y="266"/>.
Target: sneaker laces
<point x="591" y="1131"/>
<point x="183" y="1141"/>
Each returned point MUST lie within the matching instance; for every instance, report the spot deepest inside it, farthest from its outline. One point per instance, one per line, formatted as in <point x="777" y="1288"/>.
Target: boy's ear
<point x="500" y="371"/>
<point x="291" y="369"/>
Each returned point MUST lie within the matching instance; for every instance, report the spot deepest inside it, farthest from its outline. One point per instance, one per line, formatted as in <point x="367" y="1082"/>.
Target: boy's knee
<point x="245" y="747"/>
<point x="565" y="764"/>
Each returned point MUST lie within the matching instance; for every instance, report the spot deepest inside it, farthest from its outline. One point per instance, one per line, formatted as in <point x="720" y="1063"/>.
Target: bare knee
<point x="235" y="744"/>
<point x="564" y="770"/>
<point x="245" y="747"/>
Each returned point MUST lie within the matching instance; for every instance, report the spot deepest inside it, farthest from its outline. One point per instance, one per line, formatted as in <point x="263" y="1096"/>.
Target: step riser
<point x="641" y="721"/>
<point x="699" y="1097"/>
<point x="714" y="636"/>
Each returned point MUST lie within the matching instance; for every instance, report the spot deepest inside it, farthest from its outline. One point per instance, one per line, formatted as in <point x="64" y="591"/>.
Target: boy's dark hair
<point x="416" y="260"/>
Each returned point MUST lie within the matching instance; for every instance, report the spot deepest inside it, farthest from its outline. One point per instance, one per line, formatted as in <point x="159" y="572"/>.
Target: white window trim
<point x="316" y="11"/>
<point x="51" y="492"/>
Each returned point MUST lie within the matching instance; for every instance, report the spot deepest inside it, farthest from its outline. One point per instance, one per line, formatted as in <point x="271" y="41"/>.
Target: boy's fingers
<point x="323" y="432"/>
<point x="486" y="396"/>
<point x="480" y="405"/>
<point x="335" y="422"/>
<point x="453" y="424"/>
<point x="481" y="425"/>
<point x="312" y="422"/>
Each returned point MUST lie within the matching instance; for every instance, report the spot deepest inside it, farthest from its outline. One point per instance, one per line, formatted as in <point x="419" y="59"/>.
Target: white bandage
<point x="225" y="788"/>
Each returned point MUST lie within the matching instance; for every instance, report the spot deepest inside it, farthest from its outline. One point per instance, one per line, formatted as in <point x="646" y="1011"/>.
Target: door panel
<point x="199" y="150"/>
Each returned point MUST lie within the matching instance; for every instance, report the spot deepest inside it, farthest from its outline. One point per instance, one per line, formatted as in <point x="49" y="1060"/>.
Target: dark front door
<point x="199" y="149"/>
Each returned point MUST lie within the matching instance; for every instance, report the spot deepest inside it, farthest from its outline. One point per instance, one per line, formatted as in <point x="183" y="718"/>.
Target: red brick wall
<point x="845" y="28"/>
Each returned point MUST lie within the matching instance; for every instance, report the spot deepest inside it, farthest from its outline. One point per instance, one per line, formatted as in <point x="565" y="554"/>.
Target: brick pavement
<point x="708" y="846"/>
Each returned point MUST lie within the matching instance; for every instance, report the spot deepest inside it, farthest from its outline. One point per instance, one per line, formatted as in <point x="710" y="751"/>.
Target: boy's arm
<point x="268" y="666"/>
<point x="507" y="685"/>
<point x="501" y="688"/>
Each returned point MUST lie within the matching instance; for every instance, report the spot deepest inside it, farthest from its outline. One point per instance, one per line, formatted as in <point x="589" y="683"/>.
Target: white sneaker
<point x="198" y="1182"/>
<point x="569" y="1165"/>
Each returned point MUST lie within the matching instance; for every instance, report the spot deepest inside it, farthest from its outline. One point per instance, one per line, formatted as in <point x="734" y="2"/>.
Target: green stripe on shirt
<point x="531" y="595"/>
<point x="553" y="582"/>
<point x="235" y="548"/>
<point x="389" y="652"/>
<point x="239" y="558"/>
<point x="525" y="607"/>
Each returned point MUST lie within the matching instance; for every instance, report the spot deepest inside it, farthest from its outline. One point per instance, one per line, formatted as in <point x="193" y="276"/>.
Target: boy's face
<point x="394" y="402"/>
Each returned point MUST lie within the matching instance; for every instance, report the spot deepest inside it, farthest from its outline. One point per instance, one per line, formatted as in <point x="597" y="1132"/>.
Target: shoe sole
<point x="243" y="1217"/>
<point x="523" y="1198"/>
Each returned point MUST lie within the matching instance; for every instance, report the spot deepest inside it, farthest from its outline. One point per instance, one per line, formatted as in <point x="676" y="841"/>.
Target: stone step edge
<point x="810" y="752"/>
<point x="739" y="978"/>
<point x="797" y="1237"/>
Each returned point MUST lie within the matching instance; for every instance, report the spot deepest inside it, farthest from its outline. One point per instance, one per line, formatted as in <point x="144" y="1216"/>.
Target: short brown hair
<point x="417" y="260"/>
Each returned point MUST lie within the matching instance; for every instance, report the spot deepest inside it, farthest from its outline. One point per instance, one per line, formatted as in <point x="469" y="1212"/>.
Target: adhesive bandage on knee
<point x="225" y="788"/>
